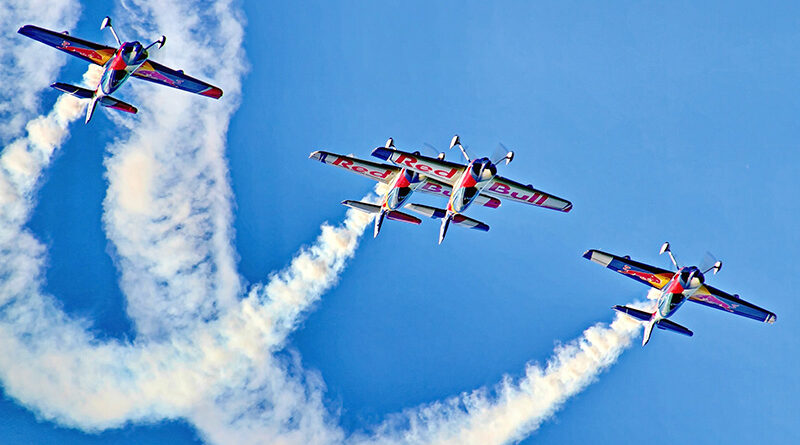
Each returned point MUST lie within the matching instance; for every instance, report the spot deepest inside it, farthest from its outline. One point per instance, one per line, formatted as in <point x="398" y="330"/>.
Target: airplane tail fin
<point x="651" y="322"/>
<point x="457" y="218"/>
<point x="378" y="223"/>
<point x="443" y="228"/>
<point x="447" y="218"/>
<point x="648" y="330"/>
<point x="83" y="93"/>
<point x="379" y="213"/>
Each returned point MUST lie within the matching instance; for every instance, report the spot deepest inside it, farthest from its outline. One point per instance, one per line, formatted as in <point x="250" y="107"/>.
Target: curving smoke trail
<point x="168" y="211"/>
<point x="205" y="349"/>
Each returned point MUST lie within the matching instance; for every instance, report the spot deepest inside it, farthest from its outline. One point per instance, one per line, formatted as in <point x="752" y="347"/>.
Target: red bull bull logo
<point x="646" y="276"/>
<point x="436" y="188"/>
<point x="710" y="299"/>
<point x="503" y="189"/>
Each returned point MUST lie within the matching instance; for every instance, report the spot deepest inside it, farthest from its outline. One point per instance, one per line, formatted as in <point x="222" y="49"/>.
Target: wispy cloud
<point x="27" y="66"/>
<point x="168" y="207"/>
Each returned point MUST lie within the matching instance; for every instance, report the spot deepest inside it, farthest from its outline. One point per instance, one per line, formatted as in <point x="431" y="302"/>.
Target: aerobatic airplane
<point x="402" y="184"/>
<point x="687" y="283"/>
<point x="128" y="59"/>
<point x="469" y="182"/>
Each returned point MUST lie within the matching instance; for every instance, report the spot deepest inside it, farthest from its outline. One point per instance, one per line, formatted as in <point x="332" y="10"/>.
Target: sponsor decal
<point x="503" y="189"/>
<point x="415" y="164"/>
<point x="90" y="53"/>
<point x="646" y="276"/>
<point x="153" y="74"/>
<point x="436" y="188"/>
<point x="710" y="299"/>
<point x="351" y="165"/>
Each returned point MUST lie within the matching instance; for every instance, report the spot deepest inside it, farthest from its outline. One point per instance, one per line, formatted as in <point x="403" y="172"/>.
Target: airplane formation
<point x="462" y="185"/>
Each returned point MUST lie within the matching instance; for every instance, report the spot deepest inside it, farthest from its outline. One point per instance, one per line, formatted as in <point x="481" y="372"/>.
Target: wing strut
<point x="107" y="24"/>
<point x="665" y="248"/>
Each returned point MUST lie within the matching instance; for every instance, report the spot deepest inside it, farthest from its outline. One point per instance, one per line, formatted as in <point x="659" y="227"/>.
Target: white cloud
<point x="27" y="66"/>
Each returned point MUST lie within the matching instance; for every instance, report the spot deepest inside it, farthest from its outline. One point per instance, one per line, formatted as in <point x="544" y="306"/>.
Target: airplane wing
<point x="373" y="170"/>
<point x="643" y="273"/>
<point x="447" y="172"/>
<point x="501" y="187"/>
<point x="160" y="74"/>
<point x="713" y="297"/>
<point x="439" y="188"/>
<point x="86" y="50"/>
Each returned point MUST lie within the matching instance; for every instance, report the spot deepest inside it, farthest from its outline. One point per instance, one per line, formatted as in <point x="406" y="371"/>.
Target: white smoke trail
<point x="23" y="160"/>
<point x="48" y="361"/>
<point x="27" y="66"/>
<point x="168" y="206"/>
<point x="201" y="353"/>
<point x="517" y="407"/>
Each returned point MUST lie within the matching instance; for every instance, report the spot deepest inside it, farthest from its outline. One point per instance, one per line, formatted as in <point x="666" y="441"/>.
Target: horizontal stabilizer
<point x="82" y="93"/>
<point x="110" y="102"/>
<point x="363" y="206"/>
<point x="430" y="212"/>
<point x="394" y="215"/>
<point x="674" y="327"/>
<point x="635" y="313"/>
<point x="459" y="219"/>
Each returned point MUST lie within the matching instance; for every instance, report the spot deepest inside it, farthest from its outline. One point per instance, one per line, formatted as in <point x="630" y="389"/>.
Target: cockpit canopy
<point x="483" y="169"/>
<point x="692" y="273"/>
<point x="133" y="53"/>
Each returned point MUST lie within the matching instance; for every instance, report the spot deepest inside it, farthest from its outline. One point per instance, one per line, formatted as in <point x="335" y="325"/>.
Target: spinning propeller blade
<point x="501" y="153"/>
<point x="710" y="263"/>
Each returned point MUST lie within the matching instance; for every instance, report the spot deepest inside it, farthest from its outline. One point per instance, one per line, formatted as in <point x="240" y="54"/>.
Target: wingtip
<point x="382" y="153"/>
<point x="213" y="92"/>
<point x="588" y="254"/>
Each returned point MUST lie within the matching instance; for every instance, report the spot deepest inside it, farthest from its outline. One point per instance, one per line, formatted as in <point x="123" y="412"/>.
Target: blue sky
<point x="660" y="122"/>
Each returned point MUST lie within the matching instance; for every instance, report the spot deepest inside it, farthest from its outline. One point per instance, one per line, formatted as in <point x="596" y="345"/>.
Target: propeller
<point x="160" y="42"/>
<point x="432" y="151"/>
<point x="710" y="263"/>
<point x="501" y="153"/>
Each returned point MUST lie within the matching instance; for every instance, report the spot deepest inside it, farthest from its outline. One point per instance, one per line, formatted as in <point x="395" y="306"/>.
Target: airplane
<point x="128" y="59"/>
<point x="479" y="177"/>
<point x="687" y="283"/>
<point x="402" y="184"/>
